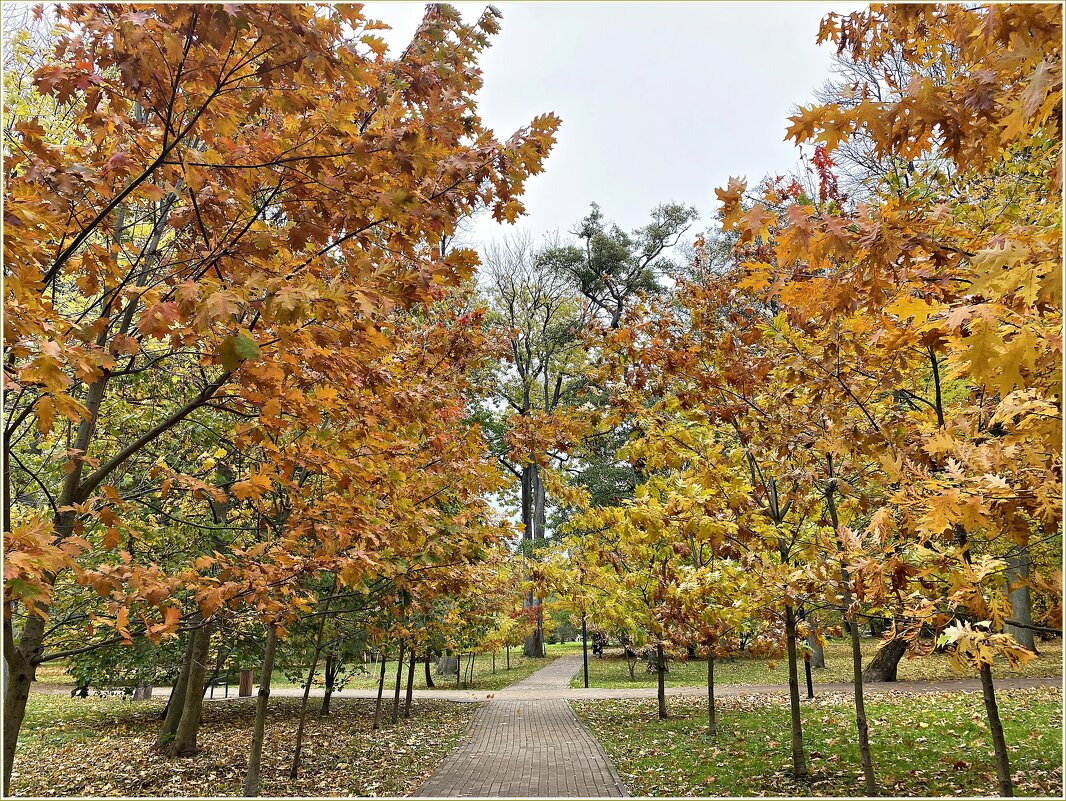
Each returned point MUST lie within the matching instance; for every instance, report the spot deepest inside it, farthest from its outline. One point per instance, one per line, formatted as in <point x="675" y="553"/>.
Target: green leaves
<point x="237" y="349"/>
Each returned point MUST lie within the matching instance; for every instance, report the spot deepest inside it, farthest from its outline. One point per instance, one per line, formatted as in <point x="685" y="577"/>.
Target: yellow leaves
<point x="732" y="194"/>
<point x="980" y="357"/>
<point x="940" y="514"/>
<point x="804" y="125"/>
<point x="217" y="307"/>
<point x="31" y="554"/>
<point x="45" y="410"/>
<point x="757" y="276"/>
<point x="754" y="222"/>
<point x="254" y="487"/>
<point x="907" y="306"/>
<point x="975" y="646"/>
<point x="1011" y="269"/>
<point x="1036" y="104"/>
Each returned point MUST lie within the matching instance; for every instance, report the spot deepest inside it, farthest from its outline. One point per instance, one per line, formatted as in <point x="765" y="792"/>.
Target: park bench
<point x="221" y="681"/>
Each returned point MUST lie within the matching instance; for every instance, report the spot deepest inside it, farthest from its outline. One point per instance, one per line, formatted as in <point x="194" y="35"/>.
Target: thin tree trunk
<point x="861" y="724"/>
<point x="429" y="677"/>
<point x="399" y="679"/>
<point x="508" y="657"/>
<point x="331" y="677"/>
<point x="294" y="769"/>
<point x="712" y="713"/>
<point x="381" y="690"/>
<point x="660" y="659"/>
<point x="410" y="684"/>
<point x="988" y="691"/>
<point x="255" y="756"/>
<point x="995" y="726"/>
<point x="176" y="702"/>
<point x="184" y="742"/>
<point x="799" y="759"/>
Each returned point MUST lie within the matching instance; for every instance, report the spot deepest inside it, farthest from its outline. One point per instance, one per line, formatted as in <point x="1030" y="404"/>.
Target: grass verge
<point x="612" y="670"/>
<point x="932" y="745"/>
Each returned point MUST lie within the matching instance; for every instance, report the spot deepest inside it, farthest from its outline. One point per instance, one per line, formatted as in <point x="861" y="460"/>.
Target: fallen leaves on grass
<point x="83" y="747"/>
<point x="932" y="745"/>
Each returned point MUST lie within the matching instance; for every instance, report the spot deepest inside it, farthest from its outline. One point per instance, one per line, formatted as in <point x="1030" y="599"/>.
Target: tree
<point x="226" y="224"/>
<point x="609" y="267"/>
<point x="541" y="319"/>
<point x="929" y="277"/>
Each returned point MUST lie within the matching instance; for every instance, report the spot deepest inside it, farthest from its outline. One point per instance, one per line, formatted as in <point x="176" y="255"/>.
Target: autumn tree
<point x="240" y="193"/>
<point x="947" y="292"/>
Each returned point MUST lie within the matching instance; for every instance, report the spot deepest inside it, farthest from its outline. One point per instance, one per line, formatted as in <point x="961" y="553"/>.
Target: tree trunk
<point x="22" y="667"/>
<point x="429" y="678"/>
<point x="660" y="669"/>
<point x="381" y="690"/>
<point x="21" y="671"/>
<point x="399" y="677"/>
<point x="885" y="663"/>
<point x="712" y="714"/>
<point x="539" y="511"/>
<point x="410" y="685"/>
<point x="447" y="664"/>
<point x="1017" y="577"/>
<point x="184" y="742"/>
<point x="508" y="657"/>
<point x="861" y="724"/>
<point x="533" y="645"/>
<point x="255" y="756"/>
<point x="294" y="769"/>
<point x="532" y="520"/>
<point x="799" y="759"/>
<point x="995" y="726"/>
<point x="331" y="678"/>
<point x="988" y="691"/>
<point x="817" y="651"/>
<point x="176" y="702"/>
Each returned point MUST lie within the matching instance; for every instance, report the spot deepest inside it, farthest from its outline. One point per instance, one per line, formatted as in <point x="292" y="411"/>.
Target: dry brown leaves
<point x="95" y="747"/>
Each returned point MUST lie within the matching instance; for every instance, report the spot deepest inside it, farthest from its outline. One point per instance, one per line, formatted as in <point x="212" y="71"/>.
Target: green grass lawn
<point x="485" y="676"/>
<point x="103" y="747"/>
<point x="928" y="745"/>
<point x="612" y="670"/>
<point x="54" y="673"/>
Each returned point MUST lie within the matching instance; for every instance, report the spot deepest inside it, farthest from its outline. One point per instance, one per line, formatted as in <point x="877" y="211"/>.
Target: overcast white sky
<point x="660" y="101"/>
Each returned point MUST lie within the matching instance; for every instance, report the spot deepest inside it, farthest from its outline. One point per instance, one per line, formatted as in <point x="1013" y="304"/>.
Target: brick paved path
<point x="527" y="748"/>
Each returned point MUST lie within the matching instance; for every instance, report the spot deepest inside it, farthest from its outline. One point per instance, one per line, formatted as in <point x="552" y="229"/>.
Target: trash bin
<point x="245" y="690"/>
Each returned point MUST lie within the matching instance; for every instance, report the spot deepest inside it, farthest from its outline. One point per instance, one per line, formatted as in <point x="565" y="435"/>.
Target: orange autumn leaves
<point x="926" y="321"/>
<point x="228" y="314"/>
